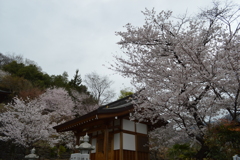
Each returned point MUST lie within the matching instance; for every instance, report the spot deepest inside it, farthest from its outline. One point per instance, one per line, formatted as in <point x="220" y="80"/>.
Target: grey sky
<point x="65" y="35"/>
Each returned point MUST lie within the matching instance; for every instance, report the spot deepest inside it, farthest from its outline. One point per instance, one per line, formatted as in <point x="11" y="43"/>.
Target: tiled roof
<point x="106" y="111"/>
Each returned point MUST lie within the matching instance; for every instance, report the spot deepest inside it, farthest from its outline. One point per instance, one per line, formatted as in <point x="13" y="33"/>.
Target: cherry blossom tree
<point x="26" y="122"/>
<point x="82" y="106"/>
<point x="58" y="104"/>
<point x="186" y="67"/>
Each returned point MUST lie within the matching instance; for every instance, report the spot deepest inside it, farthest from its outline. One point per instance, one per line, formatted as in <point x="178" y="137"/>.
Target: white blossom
<point x="27" y="122"/>
<point x="187" y="68"/>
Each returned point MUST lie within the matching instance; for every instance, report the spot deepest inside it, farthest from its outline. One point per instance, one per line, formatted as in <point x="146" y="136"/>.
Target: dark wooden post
<point x="136" y="142"/>
<point x="121" y="141"/>
<point x="77" y="136"/>
<point x="106" y="143"/>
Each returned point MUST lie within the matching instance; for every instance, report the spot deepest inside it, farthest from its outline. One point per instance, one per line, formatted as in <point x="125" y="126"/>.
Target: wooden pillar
<point x="77" y="136"/>
<point x="105" y="144"/>
<point x="121" y="146"/>
<point x="121" y="140"/>
<point x="136" y="142"/>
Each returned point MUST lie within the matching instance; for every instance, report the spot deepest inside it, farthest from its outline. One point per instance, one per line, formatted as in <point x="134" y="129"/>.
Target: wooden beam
<point x="88" y="124"/>
<point x="98" y="129"/>
<point x="90" y="128"/>
<point x="92" y="116"/>
<point x="112" y="115"/>
<point x="67" y="126"/>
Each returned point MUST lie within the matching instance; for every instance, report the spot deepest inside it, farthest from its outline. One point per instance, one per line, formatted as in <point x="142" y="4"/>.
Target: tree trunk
<point x="202" y="153"/>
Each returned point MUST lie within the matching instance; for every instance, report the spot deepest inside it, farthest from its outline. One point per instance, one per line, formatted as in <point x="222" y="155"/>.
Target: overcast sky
<point x="65" y="35"/>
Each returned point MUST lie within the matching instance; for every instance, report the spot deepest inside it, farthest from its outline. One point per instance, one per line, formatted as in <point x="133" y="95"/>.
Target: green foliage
<point x="34" y="75"/>
<point x="27" y="80"/>
<point x="76" y="83"/>
<point x="15" y="83"/>
<point x="4" y="60"/>
<point x="30" y="72"/>
<point x="13" y="67"/>
<point x="57" y="151"/>
<point x="180" y="152"/>
<point x="223" y="141"/>
<point x="125" y="93"/>
<point x="59" y="81"/>
<point x="53" y="152"/>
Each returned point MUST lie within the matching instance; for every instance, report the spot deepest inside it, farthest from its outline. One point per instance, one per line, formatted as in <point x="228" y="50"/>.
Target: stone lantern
<point x="32" y="155"/>
<point x="85" y="149"/>
<point x="236" y="157"/>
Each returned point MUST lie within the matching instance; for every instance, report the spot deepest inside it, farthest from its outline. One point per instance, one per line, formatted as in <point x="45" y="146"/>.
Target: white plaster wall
<point x="128" y="125"/>
<point x="129" y="142"/>
<point x="94" y="142"/>
<point x="116" y="141"/>
<point x="141" y="128"/>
